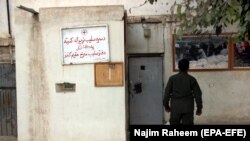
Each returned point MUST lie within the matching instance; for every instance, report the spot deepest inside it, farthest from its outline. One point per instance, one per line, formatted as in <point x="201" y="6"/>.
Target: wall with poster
<point x="88" y="44"/>
<point x="61" y="102"/>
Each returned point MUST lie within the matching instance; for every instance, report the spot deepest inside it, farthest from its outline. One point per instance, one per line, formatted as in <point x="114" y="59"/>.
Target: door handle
<point x="137" y="88"/>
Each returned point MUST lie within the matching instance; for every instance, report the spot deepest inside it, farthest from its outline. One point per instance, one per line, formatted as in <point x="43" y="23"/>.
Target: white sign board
<point x="85" y="44"/>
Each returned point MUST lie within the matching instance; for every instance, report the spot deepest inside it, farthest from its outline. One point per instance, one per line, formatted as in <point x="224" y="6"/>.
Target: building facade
<point x="140" y="37"/>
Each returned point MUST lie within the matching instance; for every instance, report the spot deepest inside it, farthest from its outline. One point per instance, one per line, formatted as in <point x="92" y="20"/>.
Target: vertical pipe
<point x="15" y="113"/>
<point x="11" y="112"/>
<point x="8" y="16"/>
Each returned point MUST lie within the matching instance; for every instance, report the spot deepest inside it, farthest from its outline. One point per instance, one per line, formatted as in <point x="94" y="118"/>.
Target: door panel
<point x="8" y="108"/>
<point x="146" y="90"/>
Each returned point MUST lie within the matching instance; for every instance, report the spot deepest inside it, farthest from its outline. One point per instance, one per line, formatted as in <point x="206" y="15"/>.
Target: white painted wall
<point x="90" y="113"/>
<point x="3" y="22"/>
<point x="4" y="31"/>
<point x="66" y="3"/>
<point x="139" y="7"/>
<point x="133" y="8"/>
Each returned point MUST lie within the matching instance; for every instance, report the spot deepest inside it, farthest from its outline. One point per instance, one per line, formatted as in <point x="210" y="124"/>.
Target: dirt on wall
<point x="38" y="86"/>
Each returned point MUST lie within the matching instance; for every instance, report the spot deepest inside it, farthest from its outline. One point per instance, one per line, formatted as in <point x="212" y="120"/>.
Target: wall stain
<point x="38" y="86"/>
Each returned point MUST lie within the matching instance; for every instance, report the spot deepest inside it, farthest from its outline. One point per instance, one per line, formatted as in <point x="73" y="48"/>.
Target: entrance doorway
<point x="145" y="90"/>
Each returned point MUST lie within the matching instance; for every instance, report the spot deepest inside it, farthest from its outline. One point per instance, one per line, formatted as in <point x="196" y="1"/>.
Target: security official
<point x="182" y="90"/>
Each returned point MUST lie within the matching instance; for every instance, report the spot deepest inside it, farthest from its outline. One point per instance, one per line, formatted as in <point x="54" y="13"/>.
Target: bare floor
<point x="8" y="138"/>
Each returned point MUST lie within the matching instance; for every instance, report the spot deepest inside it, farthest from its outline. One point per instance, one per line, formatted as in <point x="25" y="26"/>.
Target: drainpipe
<point x="8" y="15"/>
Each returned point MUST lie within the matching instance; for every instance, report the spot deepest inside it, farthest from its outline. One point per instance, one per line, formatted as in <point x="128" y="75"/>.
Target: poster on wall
<point x="207" y="52"/>
<point x="89" y="44"/>
<point x="241" y="56"/>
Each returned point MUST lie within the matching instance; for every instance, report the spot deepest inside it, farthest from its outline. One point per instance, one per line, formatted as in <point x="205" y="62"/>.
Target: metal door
<point x="145" y="90"/>
<point x="8" y="109"/>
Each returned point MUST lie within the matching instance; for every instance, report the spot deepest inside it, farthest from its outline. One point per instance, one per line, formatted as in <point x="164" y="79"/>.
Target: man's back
<point x="181" y="90"/>
<point x="182" y="85"/>
<point x="182" y="93"/>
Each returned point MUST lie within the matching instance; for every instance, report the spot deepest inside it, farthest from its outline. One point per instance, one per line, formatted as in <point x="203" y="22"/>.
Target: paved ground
<point x="3" y="138"/>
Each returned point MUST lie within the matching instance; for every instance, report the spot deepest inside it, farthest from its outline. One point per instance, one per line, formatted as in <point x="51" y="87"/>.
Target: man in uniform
<point x="182" y="90"/>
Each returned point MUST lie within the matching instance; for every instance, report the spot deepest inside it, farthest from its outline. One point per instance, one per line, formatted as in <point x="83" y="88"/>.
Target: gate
<point x="8" y="108"/>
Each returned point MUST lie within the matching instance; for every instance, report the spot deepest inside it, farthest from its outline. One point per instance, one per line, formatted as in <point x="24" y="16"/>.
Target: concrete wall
<point x="7" y="50"/>
<point x="133" y="8"/>
<point x="90" y="113"/>
<point x="4" y="20"/>
<point x="139" y="7"/>
<point x="4" y="30"/>
<point x="150" y="37"/>
<point x="225" y="93"/>
<point x="66" y="3"/>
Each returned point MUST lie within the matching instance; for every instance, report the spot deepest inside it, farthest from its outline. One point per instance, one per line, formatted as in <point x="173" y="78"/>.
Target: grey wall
<point x="145" y="38"/>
